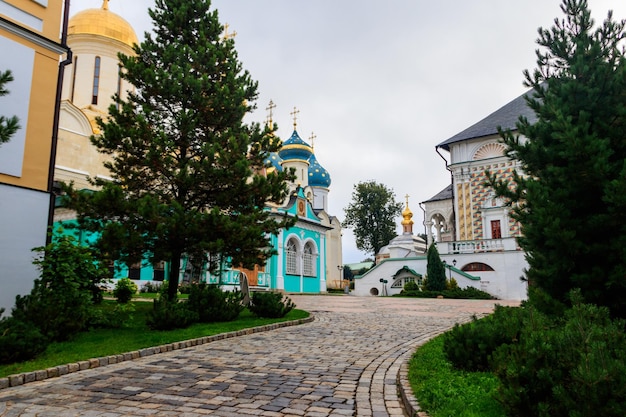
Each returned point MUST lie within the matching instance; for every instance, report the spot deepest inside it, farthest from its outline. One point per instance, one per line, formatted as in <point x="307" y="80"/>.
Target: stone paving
<point x="343" y="363"/>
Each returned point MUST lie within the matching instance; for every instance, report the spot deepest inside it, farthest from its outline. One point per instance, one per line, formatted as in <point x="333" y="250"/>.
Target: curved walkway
<point x="344" y="363"/>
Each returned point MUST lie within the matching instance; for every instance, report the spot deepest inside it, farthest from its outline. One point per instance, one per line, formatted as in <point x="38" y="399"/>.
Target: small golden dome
<point x="104" y="23"/>
<point x="407" y="214"/>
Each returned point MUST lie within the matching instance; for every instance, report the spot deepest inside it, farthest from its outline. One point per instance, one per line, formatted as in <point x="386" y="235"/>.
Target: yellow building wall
<point x="39" y="124"/>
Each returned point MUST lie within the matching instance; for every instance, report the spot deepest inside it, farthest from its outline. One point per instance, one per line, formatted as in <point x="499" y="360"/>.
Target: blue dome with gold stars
<point x="295" y="148"/>
<point x="318" y="176"/>
<point x="275" y="161"/>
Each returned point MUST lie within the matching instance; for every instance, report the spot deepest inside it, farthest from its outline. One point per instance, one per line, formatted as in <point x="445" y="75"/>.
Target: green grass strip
<point x="104" y="342"/>
<point x="443" y="391"/>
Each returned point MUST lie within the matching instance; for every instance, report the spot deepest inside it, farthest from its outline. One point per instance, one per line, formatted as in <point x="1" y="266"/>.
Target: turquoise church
<point x="307" y="254"/>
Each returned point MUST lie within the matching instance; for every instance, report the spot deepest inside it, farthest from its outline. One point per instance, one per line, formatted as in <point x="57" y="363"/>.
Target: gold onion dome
<point x="102" y="22"/>
<point x="407" y="214"/>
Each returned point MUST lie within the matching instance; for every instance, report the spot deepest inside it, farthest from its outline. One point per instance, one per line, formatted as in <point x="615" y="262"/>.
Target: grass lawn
<point x="443" y="391"/>
<point x="104" y="342"/>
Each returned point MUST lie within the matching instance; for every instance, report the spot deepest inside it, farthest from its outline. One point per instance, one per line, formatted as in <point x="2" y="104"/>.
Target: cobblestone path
<point x="344" y="363"/>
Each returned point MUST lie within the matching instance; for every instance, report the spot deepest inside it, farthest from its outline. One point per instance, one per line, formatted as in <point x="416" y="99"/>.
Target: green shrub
<point x="150" y="287"/>
<point x="120" y="316"/>
<point x="410" y="286"/>
<point x="62" y="299"/>
<point x="470" y="346"/>
<point x="574" y="368"/>
<point x="270" y="304"/>
<point x="169" y="315"/>
<point x="212" y="304"/>
<point x="451" y="284"/>
<point x="19" y="340"/>
<point x="124" y="290"/>
<point x="470" y="293"/>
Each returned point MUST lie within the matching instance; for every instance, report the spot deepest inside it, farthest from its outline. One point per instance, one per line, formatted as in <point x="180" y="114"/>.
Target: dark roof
<point x="505" y="117"/>
<point x="445" y="194"/>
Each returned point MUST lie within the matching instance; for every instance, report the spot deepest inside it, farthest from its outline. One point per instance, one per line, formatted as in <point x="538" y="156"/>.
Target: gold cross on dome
<point x="407" y="199"/>
<point x="270" y="109"/>
<point x="312" y="139"/>
<point x="228" y="35"/>
<point x="294" y="113"/>
<point x="105" y="5"/>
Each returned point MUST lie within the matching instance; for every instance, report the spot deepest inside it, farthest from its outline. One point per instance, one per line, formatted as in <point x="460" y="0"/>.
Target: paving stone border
<point x="56" y="371"/>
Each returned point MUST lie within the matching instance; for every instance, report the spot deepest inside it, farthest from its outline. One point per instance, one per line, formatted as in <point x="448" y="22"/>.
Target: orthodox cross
<point x="407" y="199"/>
<point x="312" y="139"/>
<point x="105" y="5"/>
<point x="227" y="35"/>
<point x="294" y="113"/>
<point x="270" y="109"/>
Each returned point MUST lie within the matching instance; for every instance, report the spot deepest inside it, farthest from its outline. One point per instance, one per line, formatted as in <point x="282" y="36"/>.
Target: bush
<point x="169" y="315"/>
<point x="62" y="299"/>
<point x="470" y="346"/>
<point x="571" y="369"/>
<point x="119" y="317"/>
<point x="451" y="284"/>
<point x="212" y="304"/>
<point x="468" y="293"/>
<point x="150" y="287"/>
<point x="19" y="340"/>
<point x="270" y="304"/>
<point x="410" y="286"/>
<point x="124" y="290"/>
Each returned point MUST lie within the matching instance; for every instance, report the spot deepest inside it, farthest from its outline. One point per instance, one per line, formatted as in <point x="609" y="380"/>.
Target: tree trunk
<point x="172" y="285"/>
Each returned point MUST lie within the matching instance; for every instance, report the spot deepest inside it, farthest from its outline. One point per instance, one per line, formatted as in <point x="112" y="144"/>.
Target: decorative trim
<point x="33" y="37"/>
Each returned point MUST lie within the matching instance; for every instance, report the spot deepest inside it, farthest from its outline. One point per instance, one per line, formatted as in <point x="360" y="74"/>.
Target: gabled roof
<point x="505" y="117"/>
<point x="445" y="194"/>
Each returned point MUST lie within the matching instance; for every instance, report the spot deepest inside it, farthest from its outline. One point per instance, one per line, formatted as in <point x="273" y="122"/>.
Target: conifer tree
<point x="435" y="271"/>
<point x="8" y="125"/>
<point x="372" y="215"/>
<point x="186" y="170"/>
<point x="571" y="200"/>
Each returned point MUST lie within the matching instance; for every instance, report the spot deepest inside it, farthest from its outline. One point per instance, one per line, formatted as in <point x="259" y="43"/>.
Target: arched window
<point x="308" y="259"/>
<point x="96" y="80"/>
<point x="476" y="266"/>
<point x="291" y="253"/>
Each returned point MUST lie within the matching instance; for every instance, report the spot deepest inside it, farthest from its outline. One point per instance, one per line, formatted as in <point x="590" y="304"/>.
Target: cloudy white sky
<point x="380" y="83"/>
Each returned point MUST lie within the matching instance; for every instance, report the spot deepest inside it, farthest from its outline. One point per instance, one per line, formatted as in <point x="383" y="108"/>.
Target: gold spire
<point x="227" y="35"/>
<point x="105" y="5"/>
<point x="294" y="113"/>
<point x="407" y="214"/>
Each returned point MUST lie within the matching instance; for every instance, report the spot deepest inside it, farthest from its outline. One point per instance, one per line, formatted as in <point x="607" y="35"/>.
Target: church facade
<point x="474" y="233"/>
<point x="307" y="254"/>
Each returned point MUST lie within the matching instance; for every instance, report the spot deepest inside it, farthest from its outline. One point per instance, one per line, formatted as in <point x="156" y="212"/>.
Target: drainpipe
<point x="452" y="183"/>
<point x="55" y="126"/>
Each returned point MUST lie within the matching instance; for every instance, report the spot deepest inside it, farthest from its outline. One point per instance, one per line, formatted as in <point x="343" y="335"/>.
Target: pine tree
<point x="8" y="125"/>
<point x="185" y="168"/>
<point x="435" y="271"/>
<point x="571" y="200"/>
<point x="372" y="214"/>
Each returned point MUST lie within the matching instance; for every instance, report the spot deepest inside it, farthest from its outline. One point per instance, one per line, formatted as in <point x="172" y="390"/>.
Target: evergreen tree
<point x="436" y="272"/>
<point x="8" y="125"/>
<point x="571" y="199"/>
<point x="185" y="168"/>
<point x="372" y="214"/>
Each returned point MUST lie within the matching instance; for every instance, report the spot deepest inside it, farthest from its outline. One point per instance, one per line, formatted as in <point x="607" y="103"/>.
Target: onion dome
<point x="318" y="176"/>
<point x="407" y="222"/>
<point x="275" y="161"/>
<point x="295" y="148"/>
<point x="104" y="23"/>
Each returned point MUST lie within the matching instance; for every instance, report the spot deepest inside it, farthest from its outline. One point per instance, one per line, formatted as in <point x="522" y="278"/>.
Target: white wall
<point x="23" y="222"/>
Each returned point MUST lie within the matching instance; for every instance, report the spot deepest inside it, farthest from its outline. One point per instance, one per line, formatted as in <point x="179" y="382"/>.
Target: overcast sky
<point x="380" y="83"/>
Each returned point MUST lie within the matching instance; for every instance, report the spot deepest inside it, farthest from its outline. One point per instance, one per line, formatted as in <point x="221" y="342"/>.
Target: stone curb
<point x="27" y="377"/>
<point x="409" y="402"/>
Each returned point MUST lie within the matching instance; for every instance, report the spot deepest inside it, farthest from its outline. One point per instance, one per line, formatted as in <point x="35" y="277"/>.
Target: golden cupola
<point x="407" y="215"/>
<point x="102" y="22"/>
